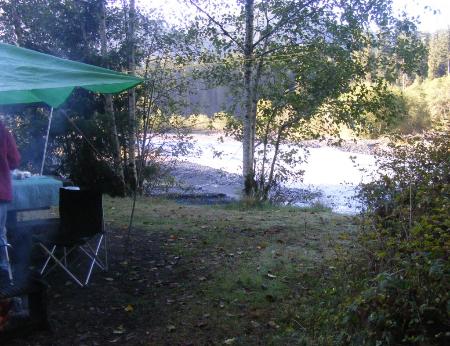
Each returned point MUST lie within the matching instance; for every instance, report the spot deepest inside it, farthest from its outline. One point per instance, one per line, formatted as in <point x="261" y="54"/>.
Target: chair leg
<point x="48" y="258"/>
<point x="89" y="252"/>
<point x="4" y="243"/>
<point x="62" y="259"/>
<point x="106" y="252"/>
<point x="93" y="252"/>
<point x="94" y="259"/>
<point x="8" y="262"/>
<point x="50" y="253"/>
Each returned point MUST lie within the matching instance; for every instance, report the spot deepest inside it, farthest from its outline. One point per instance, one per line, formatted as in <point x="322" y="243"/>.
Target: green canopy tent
<point x="27" y="76"/>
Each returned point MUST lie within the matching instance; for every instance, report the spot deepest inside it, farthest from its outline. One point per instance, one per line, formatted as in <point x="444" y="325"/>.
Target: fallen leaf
<point x="129" y="308"/>
<point x="120" y="330"/>
<point x="229" y="341"/>
<point x="273" y="325"/>
<point x="255" y="324"/>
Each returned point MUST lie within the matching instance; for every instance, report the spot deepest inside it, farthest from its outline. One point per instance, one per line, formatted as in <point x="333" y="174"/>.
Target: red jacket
<point x="9" y="160"/>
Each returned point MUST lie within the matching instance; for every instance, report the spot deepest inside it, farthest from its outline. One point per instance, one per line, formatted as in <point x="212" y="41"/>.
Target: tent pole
<point x="46" y="140"/>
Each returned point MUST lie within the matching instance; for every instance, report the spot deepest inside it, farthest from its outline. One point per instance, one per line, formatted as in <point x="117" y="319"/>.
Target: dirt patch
<point x="131" y="304"/>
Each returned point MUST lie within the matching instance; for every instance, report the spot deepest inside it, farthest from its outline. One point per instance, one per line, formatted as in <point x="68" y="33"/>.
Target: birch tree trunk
<point x="132" y="99"/>
<point x="249" y="114"/>
<point x="109" y="108"/>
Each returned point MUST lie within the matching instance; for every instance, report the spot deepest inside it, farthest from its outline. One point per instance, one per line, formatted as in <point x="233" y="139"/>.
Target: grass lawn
<point x="238" y="276"/>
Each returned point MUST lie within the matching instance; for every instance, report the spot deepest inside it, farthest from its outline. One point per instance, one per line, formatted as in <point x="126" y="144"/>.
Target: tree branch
<point x="212" y="19"/>
<point x="282" y="22"/>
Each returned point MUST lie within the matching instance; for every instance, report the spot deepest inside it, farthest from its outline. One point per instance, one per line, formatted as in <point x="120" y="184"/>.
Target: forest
<point x="273" y="75"/>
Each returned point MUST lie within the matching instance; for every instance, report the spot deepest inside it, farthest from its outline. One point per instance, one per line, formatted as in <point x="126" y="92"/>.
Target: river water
<point x="328" y="170"/>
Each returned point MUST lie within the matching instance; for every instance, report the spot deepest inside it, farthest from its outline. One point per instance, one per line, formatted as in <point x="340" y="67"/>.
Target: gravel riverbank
<point x="330" y="176"/>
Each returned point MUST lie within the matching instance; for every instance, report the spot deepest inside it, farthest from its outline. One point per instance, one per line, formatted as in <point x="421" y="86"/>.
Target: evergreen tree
<point x="439" y="54"/>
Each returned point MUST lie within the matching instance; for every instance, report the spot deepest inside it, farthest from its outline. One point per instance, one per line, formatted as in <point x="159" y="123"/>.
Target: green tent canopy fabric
<point x="27" y="76"/>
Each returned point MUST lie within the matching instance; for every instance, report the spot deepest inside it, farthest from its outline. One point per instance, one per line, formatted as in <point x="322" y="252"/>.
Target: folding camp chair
<point x="80" y="231"/>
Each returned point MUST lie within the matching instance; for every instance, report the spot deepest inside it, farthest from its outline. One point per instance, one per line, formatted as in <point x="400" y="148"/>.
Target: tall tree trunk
<point x="254" y="89"/>
<point x="147" y="107"/>
<point x="109" y="108"/>
<point x="272" y="166"/>
<point x="249" y="114"/>
<point x="132" y="98"/>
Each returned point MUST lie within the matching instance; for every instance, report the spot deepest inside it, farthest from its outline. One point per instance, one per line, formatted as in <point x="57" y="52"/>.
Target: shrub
<point x="405" y="296"/>
<point x="428" y="105"/>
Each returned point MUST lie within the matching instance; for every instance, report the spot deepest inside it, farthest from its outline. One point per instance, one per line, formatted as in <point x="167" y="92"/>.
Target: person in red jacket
<point x="9" y="160"/>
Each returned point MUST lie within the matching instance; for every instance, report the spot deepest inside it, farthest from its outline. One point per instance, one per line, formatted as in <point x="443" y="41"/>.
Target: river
<point x="328" y="170"/>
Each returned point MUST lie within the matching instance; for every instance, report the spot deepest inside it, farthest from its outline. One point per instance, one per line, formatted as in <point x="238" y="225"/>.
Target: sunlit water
<point x="328" y="170"/>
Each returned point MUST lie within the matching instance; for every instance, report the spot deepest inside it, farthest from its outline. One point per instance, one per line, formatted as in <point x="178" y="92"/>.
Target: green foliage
<point x="292" y="74"/>
<point x="28" y="125"/>
<point x="428" y="105"/>
<point x="369" y="109"/>
<point x="86" y="159"/>
<point x="439" y="54"/>
<point x="202" y="122"/>
<point x="406" y="308"/>
<point x="93" y="147"/>
<point x="405" y="294"/>
<point x="64" y="28"/>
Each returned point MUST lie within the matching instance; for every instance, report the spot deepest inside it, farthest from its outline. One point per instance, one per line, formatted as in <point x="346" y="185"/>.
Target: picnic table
<point x="34" y="193"/>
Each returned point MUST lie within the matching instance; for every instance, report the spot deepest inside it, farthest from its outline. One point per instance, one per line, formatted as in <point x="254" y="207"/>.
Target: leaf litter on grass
<point x="199" y="274"/>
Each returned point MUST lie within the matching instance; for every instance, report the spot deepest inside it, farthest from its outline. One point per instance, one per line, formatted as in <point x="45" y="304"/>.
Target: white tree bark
<point x="249" y="114"/>
<point x="132" y="97"/>
<point x="109" y="108"/>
